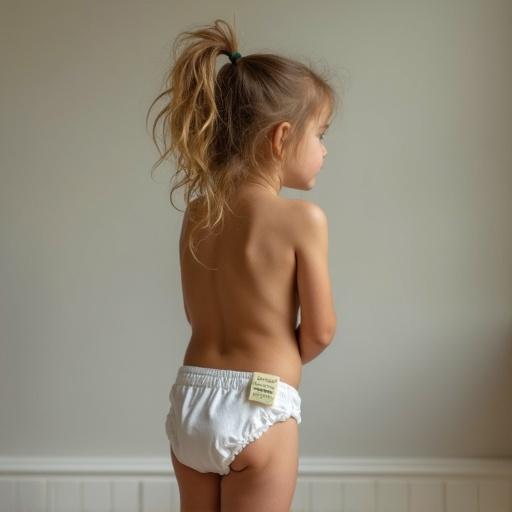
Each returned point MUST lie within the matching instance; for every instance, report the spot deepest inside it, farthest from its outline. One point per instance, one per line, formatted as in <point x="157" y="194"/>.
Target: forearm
<point x="308" y="351"/>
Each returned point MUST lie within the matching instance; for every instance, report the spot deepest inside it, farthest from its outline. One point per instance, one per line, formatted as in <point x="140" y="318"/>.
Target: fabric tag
<point x="263" y="388"/>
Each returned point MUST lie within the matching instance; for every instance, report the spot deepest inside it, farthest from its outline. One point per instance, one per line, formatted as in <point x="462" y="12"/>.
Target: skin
<point x="259" y="332"/>
<point x="243" y="317"/>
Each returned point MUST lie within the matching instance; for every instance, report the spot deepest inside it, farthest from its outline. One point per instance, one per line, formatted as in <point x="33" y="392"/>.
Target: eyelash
<point x="322" y="135"/>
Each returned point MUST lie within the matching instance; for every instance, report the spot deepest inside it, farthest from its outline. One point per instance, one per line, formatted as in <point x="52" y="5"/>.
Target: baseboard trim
<point x="308" y="466"/>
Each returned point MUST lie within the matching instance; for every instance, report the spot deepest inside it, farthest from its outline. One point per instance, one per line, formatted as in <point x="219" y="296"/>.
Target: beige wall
<point x="417" y="186"/>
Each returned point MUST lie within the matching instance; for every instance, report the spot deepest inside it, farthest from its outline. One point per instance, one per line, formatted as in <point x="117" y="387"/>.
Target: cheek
<point x="317" y="153"/>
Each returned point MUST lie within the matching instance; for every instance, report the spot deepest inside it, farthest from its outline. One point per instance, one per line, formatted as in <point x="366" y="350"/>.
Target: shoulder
<point x="189" y="214"/>
<point x="194" y="205"/>
<point x="307" y="221"/>
<point x="194" y="208"/>
<point x="307" y="213"/>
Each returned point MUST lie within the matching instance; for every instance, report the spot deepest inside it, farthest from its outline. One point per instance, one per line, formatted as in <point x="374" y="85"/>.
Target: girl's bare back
<point x="244" y="314"/>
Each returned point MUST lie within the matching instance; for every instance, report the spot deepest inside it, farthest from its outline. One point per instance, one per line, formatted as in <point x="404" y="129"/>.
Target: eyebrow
<point x="325" y="126"/>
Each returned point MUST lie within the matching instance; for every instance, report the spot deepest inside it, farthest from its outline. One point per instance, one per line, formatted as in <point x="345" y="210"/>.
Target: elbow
<point x="328" y="336"/>
<point x="326" y="340"/>
<point x="321" y="337"/>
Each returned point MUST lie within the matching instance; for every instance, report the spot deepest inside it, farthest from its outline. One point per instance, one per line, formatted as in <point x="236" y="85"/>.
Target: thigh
<point x="198" y="491"/>
<point x="264" y="474"/>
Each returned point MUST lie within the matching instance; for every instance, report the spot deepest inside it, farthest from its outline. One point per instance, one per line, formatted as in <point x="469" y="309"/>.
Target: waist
<point x="285" y="363"/>
<point x="229" y="379"/>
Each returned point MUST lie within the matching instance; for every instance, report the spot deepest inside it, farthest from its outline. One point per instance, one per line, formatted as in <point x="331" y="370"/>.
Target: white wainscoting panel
<point x="323" y="485"/>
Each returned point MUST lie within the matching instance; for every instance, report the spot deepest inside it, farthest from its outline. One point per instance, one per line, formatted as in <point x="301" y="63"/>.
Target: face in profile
<point x="300" y="173"/>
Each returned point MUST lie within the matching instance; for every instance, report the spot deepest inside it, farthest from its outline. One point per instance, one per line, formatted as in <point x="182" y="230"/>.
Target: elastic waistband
<point x="230" y="379"/>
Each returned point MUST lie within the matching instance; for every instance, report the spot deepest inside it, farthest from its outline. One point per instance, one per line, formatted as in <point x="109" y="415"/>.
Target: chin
<point x="304" y="185"/>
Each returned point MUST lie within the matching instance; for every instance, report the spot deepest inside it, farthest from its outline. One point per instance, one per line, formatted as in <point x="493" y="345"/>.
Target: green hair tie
<point x="232" y="56"/>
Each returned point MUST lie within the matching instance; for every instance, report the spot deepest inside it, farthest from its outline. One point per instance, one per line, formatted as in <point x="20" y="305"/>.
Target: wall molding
<point x="324" y="484"/>
<point x="308" y="466"/>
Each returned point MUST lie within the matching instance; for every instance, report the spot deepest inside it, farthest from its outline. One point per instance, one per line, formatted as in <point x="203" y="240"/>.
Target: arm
<point x="181" y="249"/>
<point x="308" y="351"/>
<point x="318" y="318"/>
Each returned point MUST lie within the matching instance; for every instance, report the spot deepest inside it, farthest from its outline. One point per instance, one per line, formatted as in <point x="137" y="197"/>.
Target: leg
<point x="264" y="473"/>
<point x="199" y="492"/>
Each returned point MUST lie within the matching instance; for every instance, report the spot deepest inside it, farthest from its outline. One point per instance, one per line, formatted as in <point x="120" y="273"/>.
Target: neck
<point x="260" y="184"/>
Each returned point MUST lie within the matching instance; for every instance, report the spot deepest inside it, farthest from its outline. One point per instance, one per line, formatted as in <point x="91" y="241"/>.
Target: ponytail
<point x="216" y="127"/>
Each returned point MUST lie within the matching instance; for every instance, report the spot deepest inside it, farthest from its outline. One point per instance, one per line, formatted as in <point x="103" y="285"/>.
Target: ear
<point x="280" y="133"/>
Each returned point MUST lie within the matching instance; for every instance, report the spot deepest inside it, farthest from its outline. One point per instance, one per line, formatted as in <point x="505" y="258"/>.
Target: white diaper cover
<point x="211" y="418"/>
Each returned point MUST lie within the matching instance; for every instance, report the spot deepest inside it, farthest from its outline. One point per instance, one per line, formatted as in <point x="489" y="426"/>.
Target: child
<point x="238" y="137"/>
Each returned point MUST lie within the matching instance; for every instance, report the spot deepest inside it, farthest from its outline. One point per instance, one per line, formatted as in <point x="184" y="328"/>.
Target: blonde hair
<point x="218" y="127"/>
